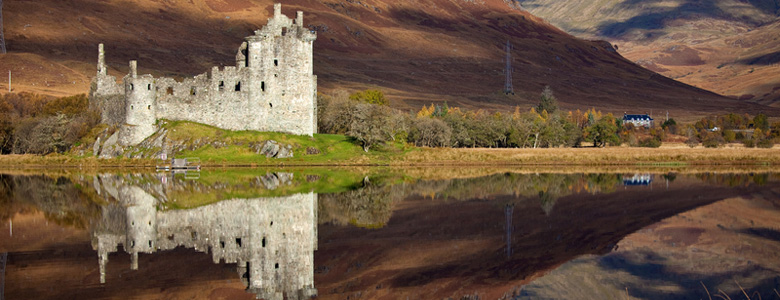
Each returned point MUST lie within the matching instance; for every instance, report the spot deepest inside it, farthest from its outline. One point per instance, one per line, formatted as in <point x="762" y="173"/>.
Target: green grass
<point x="334" y="149"/>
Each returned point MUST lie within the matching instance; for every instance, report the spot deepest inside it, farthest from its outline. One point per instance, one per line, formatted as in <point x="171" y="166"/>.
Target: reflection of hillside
<point x="447" y="248"/>
<point x="271" y="240"/>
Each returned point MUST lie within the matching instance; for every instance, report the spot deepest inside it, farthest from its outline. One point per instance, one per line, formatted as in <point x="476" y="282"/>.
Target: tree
<point x="603" y="132"/>
<point x="370" y="125"/>
<point x="370" y="96"/>
<point x="760" y="121"/>
<point x="670" y="126"/>
<point x="430" y="132"/>
<point x="335" y="114"/>
<point x="547" y="102"/>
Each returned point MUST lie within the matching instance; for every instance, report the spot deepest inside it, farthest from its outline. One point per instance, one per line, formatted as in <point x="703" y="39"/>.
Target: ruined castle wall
<point x="107" y="97"/>
<point x="221" y="99"/>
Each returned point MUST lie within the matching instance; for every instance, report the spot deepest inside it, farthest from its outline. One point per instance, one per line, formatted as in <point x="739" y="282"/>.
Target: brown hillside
<point x="416" y="51"/>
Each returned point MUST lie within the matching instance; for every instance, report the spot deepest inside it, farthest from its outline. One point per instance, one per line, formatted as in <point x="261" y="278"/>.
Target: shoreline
<point x="675" y="157"/>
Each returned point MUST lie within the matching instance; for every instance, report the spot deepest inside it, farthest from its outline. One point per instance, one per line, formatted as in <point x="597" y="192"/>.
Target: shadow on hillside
<point x="764" y="60"/>
<point x="166" y="40"/>
<point x="654" y="19"/>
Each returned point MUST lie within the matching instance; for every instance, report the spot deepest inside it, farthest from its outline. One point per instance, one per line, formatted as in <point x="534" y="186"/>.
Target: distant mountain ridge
<point x="731" y="47"/>
<point x="418" y="52"/>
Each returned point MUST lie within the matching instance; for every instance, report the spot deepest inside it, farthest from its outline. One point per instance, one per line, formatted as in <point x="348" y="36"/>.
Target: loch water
<point x="388" y="234"/>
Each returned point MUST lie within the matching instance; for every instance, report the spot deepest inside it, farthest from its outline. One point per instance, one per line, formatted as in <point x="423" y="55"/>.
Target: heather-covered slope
<point x="416" y="51"/>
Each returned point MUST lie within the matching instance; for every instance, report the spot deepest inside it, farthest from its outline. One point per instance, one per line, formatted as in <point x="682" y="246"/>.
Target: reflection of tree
<point x="734" y="179"/>
<point x="368" y="206"/>
<point x="547" y="187"/>
<point x="62" y="201"/>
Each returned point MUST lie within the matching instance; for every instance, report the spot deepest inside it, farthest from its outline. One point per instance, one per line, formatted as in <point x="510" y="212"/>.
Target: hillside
<point x="730" y="47"/>
<point x="416" y="51"/>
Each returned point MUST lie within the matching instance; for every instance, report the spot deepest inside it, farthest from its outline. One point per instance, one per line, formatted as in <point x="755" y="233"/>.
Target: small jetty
<point x="180" y="164"/>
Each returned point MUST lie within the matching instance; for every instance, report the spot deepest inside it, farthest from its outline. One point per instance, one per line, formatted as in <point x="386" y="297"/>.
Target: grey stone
<point x="270" y="181"/>
<point x="285" y="152"/>
<point x="110" y="148"/>
<point x="270" y="149"/>
<point x="96" y="147"/>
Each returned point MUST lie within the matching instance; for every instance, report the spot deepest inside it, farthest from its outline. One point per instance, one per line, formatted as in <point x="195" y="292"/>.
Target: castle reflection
<point x="271" y="239"/>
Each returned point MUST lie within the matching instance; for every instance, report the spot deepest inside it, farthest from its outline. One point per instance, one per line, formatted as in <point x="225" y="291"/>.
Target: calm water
<point x="370" y="234"/>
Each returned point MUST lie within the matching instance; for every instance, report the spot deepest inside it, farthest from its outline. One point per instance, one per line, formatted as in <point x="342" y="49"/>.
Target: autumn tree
<point x="370" y="96"/>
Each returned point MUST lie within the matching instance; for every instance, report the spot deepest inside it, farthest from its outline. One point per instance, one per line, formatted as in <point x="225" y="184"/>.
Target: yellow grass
<point x="593" y="156"/>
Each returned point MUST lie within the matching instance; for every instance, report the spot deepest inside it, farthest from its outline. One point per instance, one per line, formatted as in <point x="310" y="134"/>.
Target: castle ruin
<point x="271" y="88"/>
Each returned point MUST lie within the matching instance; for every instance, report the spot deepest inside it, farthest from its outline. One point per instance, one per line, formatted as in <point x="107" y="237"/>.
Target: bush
<point x="69" y="106"/>
<point x="650" y="143"/>
<point x="692" y="141"/>
<point x="713" y="141"/>
<point x="748" y="143"/>
<point x="765" y="143"/>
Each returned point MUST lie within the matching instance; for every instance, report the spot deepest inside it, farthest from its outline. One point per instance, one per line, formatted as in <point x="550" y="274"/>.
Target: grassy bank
<point x="222" y="148"/>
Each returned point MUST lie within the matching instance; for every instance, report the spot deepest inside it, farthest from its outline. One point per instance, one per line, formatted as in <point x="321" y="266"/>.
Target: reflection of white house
<point x="638" y="179"/>
<point x="638" y="120"/>
<point x="272" y="240"/>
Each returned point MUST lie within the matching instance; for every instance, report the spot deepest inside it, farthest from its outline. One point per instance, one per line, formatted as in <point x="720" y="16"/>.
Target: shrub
<point x="650" y="143"/>
<point x="713" y="141"/>
<point x="748" y="143"/>
<point x="765" y="143"/>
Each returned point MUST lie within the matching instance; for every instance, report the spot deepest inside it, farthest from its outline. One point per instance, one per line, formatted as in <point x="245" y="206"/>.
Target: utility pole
<point x="2" y="37"/>
<point x="508" y="89"/>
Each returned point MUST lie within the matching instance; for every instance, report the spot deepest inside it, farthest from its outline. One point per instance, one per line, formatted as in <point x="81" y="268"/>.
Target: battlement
<point x="271" y="88"/>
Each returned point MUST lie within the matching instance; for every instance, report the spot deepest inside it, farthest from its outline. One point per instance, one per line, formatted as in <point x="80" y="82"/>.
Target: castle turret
<point x="140" y="107"/>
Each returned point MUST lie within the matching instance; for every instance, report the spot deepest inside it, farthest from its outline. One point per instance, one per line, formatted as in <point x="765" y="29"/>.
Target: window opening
<point x="149" y="87"/>
<point x="222" y="244"/>
<point x="262" y="86"/>
<point x="192" y="91"/>
<point x="149" y="107"/>
<point x="238" y="242"/>
<point x="263" y="242"/>
<point x="276" y="62"/>
<point x="238" y="86"/>
<point x="169" y="90"/>
<point x="221" y="86"/>
<point x="276" y="266"/>
<point x="132" y="87"/>
<point x="271" y="104"/>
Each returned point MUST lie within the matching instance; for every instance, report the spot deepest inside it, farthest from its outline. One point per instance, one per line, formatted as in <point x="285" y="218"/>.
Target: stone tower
<point x="140" y="107"/>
